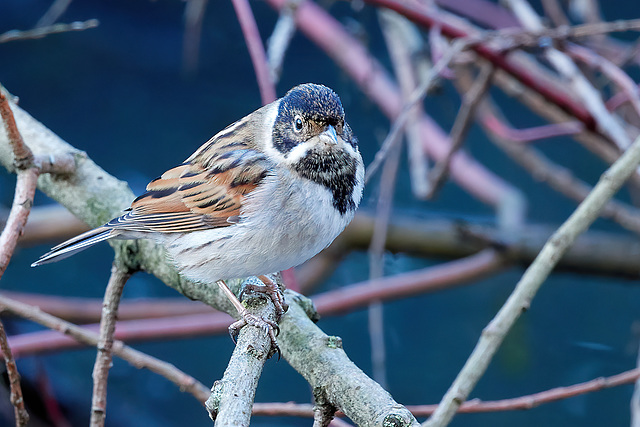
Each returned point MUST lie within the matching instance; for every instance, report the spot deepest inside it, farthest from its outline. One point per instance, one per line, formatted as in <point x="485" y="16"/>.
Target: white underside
<point x="285" y="221"/>
<point x="282" y="226"/>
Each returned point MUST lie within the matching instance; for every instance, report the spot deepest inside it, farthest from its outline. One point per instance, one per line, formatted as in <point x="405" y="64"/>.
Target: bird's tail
<point x="77" y="244"/>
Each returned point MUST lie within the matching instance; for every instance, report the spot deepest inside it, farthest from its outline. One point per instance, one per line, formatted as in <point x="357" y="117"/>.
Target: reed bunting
<point x="265" y="194"/>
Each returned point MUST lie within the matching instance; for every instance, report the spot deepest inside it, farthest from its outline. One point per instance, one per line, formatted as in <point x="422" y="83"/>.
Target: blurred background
<point x="134" y="96"/>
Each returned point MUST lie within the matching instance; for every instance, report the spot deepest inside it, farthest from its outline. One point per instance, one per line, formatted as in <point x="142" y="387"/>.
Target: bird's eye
<point x="297" y="123"/>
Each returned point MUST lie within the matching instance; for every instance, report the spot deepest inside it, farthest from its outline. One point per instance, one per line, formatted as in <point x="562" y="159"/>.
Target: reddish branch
<point x="256" y="50"/>
<point x="119" y="277"/>
<point x="23" y="199"/>
<point x="402" y="285"/>
<point x="89" y="338"/>
<point x="21" y="415"/>
<point x="430" y="279"/>
<point x="429" y="18"/>
<point x="476" y="405"/>
<point x="464" y="120"/>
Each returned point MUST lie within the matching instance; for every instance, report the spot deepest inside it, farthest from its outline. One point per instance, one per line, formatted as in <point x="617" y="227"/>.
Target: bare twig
<point x="37" y="33"/>
<point x="635" y="398"/>
<point x="256" y="50"/>
<point x="193" y="17"/>
<point x="525" y="290"/>
<point x="280" y="39"/>
<point x="470" y="102"/>
<point x="28" y="169"/>
<point x="55" y="11"/>
<point x="405" y="46"/>
<point x="179" y="327"/>
<point x="476" y="405"/>
<point x="537" y="133"/>
<point x="428" y="279"/>
<point x="417" y="96"/>
<point x="25" y="185"/>
<point x="429" y="18"/>
<point x="23" y="199"/>
<point x="581" y="87"/>
<point x="88" y="310"/>
<point x="21" y="415"/>
<point x="134" y="357"/>
<point x="557" y="177"/>
<point x="615" y="73"/>
<point x="119" y="276"/>
<point x="23" y="157"/>
<point x="376" y="262"/>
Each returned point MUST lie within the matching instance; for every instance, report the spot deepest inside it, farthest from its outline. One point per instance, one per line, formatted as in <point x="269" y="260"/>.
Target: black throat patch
<point x="336" y="171"/>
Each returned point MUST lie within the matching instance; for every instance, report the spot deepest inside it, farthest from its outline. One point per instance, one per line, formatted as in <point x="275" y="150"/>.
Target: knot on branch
<point x="213" y="402"/>
<point x="398" y="417"/>
<point x="323" y="409"/>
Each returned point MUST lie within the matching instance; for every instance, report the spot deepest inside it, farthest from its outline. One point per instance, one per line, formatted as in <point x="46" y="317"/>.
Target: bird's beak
<point x="329" y="136"/>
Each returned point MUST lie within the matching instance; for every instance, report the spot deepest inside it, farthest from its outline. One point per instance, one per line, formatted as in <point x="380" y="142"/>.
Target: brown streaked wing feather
<point x="205" y="191"/>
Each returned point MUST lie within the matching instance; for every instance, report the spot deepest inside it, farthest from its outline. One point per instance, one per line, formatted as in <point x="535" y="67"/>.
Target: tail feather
<point x="75" y="245"/>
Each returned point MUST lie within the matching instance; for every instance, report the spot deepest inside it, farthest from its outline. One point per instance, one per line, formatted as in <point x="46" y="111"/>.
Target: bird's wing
<point x="206" y="191"/>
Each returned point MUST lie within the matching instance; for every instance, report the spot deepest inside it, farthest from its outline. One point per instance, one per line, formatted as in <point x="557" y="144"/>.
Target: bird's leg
<point x="274" y="292"/>
<point x="246" y="318"/>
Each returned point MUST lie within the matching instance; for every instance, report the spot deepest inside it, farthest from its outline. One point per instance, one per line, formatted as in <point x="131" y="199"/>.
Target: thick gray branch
<point x="342" y="383"/>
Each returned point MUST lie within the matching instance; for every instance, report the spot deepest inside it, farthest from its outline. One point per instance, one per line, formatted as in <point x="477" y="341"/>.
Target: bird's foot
<point x="273" y="291"/>
<point x="270" y="328"/>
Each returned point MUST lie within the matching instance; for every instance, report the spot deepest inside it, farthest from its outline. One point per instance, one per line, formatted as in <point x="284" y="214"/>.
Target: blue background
<point x="118" y="92"/>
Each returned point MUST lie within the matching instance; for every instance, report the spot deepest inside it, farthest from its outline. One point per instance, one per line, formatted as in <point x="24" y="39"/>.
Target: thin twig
<point x="25" y="185"/>
<point x="635" y="398"/>
<point x="21" y="415"/>
<point x="55" y="11"/>
<point x="193" y="18"/>
<point x="461" y="126"/>
<point x="404" y="43"/>
<point x="136" y="358"/>
<point x="177" y="327"/>
<point x="476" y="405"/>
<point x="554" y="11"/>
<point x="23" y="157"/>
<point x="256" y="50"/>
<point x="556" y="176"/>
<point x="280" y="38"/>
<point x="580" y="86"/>
<point x="520" y="299"/>
<point x="40" y="32"/>
<point x="428" y="279"/>
<point x="376" y="262"/>
<point x="537" y="133"/>
<point x="119" y="276"/>
<point x="417" y="96"/>
<point x="615" y="73"/>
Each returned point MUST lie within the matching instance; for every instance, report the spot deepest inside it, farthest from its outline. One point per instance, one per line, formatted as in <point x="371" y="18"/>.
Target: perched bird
<point x="265" y="194"/>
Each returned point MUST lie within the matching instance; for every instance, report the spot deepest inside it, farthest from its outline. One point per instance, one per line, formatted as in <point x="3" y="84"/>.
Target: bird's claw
<point x="272" y="290"/>
<point x="270" y="328"/>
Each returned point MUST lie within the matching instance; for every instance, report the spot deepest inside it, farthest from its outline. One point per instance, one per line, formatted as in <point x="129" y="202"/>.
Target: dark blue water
<point x="118" y="92"/>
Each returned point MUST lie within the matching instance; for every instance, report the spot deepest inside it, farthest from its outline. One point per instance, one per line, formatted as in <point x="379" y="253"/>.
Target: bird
<point x="264" y="194"/>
